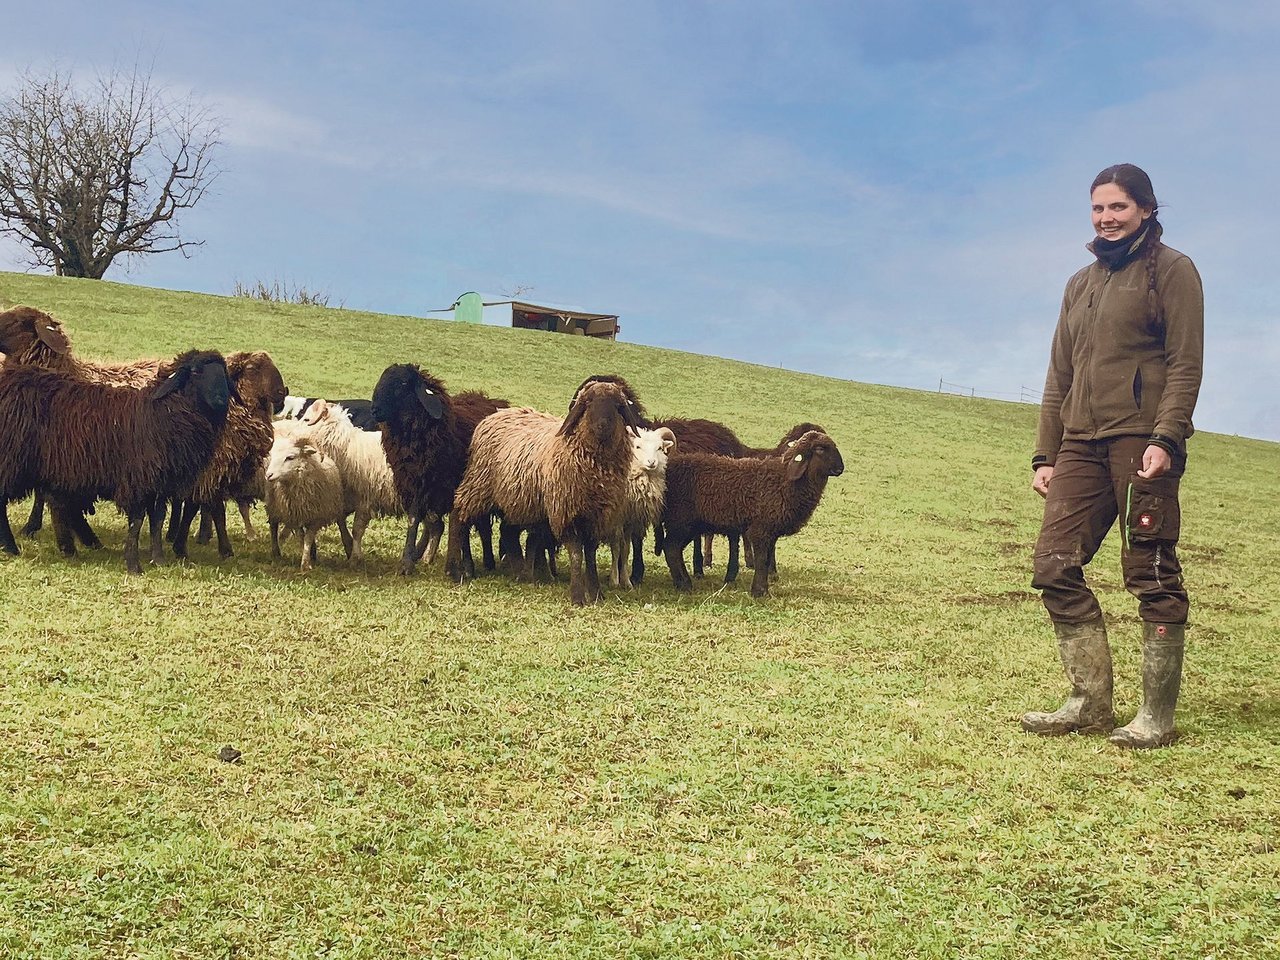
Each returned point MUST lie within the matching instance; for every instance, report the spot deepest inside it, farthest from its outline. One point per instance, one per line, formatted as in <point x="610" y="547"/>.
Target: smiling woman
<point x="1124" y="374"/>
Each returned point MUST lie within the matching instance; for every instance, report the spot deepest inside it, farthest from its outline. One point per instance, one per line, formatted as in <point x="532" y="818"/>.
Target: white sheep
<point x="303" y="491"/>
<point x="646" y="487"/>
<point x="369" y="488"/>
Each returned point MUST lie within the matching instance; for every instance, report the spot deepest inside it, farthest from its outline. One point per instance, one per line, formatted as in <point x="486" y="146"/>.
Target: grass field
<point x="484" y="771"/>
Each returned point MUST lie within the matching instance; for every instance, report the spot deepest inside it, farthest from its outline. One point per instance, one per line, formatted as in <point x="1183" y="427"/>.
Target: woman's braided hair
<point x="1134" y="181"/>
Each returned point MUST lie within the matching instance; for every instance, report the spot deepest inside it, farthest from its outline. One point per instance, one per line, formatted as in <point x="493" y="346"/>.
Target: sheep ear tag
<point x="795" y="467"/>
<point x="51" y="336"/>
<point x="172" y="383"/>
<point x="430" y="401"/>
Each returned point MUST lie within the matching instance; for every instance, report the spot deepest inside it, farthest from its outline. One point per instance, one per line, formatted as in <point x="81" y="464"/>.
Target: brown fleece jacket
<point x="1114" y="373"/>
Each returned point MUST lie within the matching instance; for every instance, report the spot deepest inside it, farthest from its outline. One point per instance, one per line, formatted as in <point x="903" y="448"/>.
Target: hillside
<point x="483" y="771"/>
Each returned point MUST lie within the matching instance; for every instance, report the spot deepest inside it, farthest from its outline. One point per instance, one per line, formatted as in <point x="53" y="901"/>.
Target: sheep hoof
<point x="226" y="554"/>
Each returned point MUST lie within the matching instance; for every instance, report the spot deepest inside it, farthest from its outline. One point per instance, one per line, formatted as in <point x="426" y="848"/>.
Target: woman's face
<point x="1115" y="214"/>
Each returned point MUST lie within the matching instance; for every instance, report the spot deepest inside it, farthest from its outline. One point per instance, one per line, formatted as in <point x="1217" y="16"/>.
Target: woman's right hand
<point x="1040" y="482"/>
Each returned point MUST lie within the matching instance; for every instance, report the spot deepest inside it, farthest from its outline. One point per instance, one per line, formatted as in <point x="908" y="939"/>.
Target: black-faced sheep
<point x="760" y="500"/>
<point x="533" y="468"/>
<point x="426" y="434"/>
<point x="233" y="472"/>
<point x="82" y="441"/>
<point x="303" y="491"/>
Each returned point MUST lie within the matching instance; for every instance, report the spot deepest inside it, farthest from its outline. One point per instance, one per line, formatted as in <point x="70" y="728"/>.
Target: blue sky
<point x="885" y="192"/>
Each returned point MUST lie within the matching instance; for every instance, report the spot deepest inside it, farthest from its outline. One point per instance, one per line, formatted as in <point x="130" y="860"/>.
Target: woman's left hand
<point x="1155" y="462"/>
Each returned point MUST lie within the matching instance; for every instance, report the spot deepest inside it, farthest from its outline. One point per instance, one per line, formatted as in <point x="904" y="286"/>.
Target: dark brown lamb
<point x="84" y="441"/>
<point x="760" y="500"/>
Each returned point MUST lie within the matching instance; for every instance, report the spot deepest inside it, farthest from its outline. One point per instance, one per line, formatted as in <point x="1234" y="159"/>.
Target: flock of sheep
<point x="201" y="429"/>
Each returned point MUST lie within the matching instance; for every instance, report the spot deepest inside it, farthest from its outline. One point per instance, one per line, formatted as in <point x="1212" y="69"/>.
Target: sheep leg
<point x="773" y="561"/>
<point x="707" y="551"/>
<point x="348" y="544"/>
<point x="410" y="554"/>
<point x="541" y="549"/>
<point x="748" y="553"/>
<point x="7" y="543"/>
<point x="618" y="561"/>
<point x="274" y="526"/>
<point x="155" y="527"/>
<point x="731" y="571"/>
<point x="485" y="529"/>
<point x="356" y="553"/>
<point x="219" y="511"/>
<point x="455" y="568"/>
<point x="308" y="548"/>
<point x="175" y="518"/>
<point x="589" y="548"/>
<point x="760" y="582"/>
<point x="429" y="545"/>
<point x="509" y="553"/>
<point x="673" y="547"/>
<point x="637" y="558"/>
<point x="36" y="520"/>
<point x="136" y="516"/>
<point x="63" y="534"/>
<point x="180" y="520"/>
<point x="577" y="580"/>
<point x="74" y="519"/>
<point x="247" y="518"/>
<point x="697" y="556"/>
<point x="205" y="533"/>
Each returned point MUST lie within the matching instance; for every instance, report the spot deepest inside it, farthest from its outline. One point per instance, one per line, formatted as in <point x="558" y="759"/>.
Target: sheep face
<point x="21" y="328"/>
<point x="257" y="380"/>
<point x="630" y="394"/>
<point x="603" y="410"/>
<point x="202" y="376"/>
<point x="816" y="456"/>
<point x="650" y="450"/>
<point x="290" y="455"/>
<point x="402" y="390"/>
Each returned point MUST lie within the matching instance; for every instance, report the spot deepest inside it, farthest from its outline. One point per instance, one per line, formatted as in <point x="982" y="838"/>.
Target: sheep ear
<point x="796" y="466"/>
<point x="172" y="383"/>
<point x="430" y="401"/>
<point x="316" y="412"/>
<point x="576" y="411"/>
<point x="51" y="335"/>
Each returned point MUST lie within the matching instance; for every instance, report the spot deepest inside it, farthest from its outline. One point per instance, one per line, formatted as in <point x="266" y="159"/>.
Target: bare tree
<point x="86" y="177"/>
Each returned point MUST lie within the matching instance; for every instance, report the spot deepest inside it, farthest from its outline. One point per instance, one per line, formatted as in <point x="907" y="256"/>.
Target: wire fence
<point x="1025" y="394"/>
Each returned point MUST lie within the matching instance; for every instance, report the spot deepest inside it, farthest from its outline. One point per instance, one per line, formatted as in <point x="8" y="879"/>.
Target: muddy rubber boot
<point x="1162" y="646"/>
<point x="1086" y="658"/>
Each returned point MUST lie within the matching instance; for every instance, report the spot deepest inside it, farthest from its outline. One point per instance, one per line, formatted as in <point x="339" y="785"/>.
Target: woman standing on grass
<point x="1124" y="372"/>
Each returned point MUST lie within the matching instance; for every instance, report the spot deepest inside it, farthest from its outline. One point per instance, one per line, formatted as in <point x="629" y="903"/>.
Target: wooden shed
<point x="473" y="308"/>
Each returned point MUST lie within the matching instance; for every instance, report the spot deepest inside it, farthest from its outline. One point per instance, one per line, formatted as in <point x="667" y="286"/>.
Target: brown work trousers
<point x="1095" y="482"/>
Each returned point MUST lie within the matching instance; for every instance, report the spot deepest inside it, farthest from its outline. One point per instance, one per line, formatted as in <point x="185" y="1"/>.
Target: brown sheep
<point x="534" y="468"/>
<point x="760" y="500"/>
<point x="234" y="471"/>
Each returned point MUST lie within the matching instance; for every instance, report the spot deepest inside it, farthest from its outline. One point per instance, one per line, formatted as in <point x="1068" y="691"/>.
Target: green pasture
<point x="484" y="771"/>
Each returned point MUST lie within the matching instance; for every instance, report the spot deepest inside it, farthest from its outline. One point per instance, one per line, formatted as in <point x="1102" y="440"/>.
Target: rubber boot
<point x="1086" y="657"/>
<point x="1162" y="647"/>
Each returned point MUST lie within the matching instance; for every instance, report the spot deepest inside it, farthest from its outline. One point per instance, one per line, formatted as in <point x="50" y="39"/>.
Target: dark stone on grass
<point x="1236" y="793"/>
<point x="229" y="754"/>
